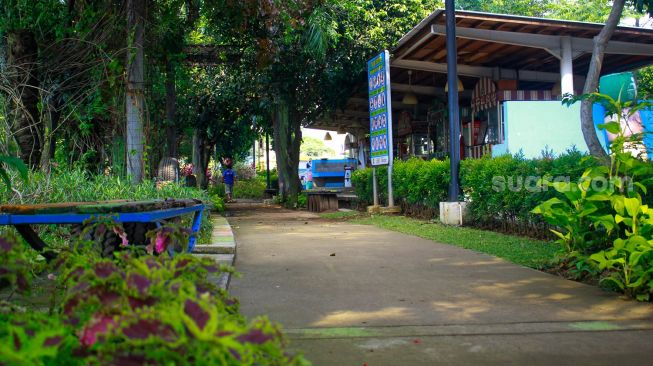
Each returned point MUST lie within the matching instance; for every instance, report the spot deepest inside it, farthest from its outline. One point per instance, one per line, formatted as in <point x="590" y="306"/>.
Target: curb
<point x="222" y="249"/>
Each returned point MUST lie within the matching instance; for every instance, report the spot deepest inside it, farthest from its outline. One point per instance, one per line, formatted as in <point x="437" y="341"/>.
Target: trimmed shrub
<point x="252" y="188"/>
<point x="418" y="185"/>
<point x="501" y="191"/>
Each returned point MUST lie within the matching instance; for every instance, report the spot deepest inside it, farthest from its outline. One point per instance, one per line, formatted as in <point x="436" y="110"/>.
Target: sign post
<point x="380" y="102"/>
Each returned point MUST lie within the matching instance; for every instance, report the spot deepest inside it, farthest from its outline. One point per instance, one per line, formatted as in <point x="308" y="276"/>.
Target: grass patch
<point x="520" y="250"/>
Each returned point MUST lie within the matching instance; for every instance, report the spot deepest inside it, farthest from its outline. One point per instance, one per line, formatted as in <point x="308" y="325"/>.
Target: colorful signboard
<point x="378" y="76"/>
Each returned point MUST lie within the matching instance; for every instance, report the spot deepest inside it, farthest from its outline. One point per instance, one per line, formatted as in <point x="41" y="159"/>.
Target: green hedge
<point x="420" y="185"/>
<point x="510" y="209"/>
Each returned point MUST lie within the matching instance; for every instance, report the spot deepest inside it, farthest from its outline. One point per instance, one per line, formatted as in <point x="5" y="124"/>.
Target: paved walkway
<point x="358" y="295"/>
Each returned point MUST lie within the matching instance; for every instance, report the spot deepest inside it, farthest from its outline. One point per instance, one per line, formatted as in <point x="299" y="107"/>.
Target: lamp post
<point x="454" y="112"/>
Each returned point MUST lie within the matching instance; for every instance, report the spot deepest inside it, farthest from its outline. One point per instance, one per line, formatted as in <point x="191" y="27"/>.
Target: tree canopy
<point x="216" y="73"/>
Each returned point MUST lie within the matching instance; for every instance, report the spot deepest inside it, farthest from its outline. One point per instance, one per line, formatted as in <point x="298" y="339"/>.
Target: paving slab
<point x="226" y="259"/>
<point x="353" y="294"/>
<point x="222" y="250"/>
<point x="219" y="247"/>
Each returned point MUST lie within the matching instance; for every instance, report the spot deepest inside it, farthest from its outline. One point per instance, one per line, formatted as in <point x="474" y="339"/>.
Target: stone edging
<point x="222" y="248"/>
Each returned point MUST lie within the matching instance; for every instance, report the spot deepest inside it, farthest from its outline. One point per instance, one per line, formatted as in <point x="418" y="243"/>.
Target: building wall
<point x="533" y="126"/>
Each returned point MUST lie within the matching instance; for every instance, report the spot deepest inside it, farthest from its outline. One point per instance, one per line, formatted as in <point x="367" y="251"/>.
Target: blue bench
<point x="156" y="211"/>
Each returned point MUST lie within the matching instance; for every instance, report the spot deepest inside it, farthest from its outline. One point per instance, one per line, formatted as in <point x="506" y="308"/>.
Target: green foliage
<point x="12" y="163"/>
<point x="302" y="200"/>
<point x="77" y="185"/>
<point x="502" y="191"/>
<point x="499" y="195"/>
<point x="536" y="8"/>
<point x="261" y="175"/>
<point x="138" y="310"/>
<point x="419" y="182"/>
<point x="315" y="148"/>
<point x="40" y="15"/>
<point x="217" y="201"/>
<point x="609" y="224"/>
<point x="36" y="338"/>
<point x="416" y="183"/>
<point x="252" y="188"/>
<point x="645" y="83"/>
<point x="596" y="11"/>
<point x="14" y="266"/>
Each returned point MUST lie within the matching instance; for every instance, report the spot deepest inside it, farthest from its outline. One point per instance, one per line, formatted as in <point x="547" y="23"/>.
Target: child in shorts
<point x="228" y="177"/>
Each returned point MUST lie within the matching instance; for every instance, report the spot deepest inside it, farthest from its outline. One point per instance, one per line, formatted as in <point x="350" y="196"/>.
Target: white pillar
<point x="566" y="66"/>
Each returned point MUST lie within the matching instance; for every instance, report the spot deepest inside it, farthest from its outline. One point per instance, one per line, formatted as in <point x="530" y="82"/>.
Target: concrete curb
<point x="222" y="249"/>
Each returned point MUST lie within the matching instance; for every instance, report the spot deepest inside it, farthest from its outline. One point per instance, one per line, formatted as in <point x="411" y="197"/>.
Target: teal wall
<point x="532" y="126"/>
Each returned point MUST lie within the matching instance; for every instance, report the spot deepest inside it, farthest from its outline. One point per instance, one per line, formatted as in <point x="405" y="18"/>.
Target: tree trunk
<point x="22" y="68"/>
<point x="196" y="153"/>
<point x="50" y="142"/>
<point x="171" y="110"/>
<point x="202" y="149"/>
<point x="592" y="81"/>
<point x="192" y="11"/>
<point x="207" y="150"/>
<point x="287" y="140"/>
<point x="135" y="97"/>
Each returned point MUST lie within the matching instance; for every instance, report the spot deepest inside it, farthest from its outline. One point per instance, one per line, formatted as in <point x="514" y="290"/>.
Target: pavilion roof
<point x="497" y="46"/>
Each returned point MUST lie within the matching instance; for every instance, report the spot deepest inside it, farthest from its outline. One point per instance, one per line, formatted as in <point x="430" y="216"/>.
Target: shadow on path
<point x="352" y="294"/>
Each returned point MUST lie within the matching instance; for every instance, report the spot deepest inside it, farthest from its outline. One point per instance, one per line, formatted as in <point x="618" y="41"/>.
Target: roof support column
<point x="566" y="66"/>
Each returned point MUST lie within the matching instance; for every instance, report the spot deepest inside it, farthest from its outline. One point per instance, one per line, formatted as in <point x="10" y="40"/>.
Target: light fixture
<point x="327" y="137"/>
<point x="460" y="86"/>
<point x="410" y="98"/>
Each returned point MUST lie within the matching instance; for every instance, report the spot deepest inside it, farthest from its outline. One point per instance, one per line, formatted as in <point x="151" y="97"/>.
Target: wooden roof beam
<point x="415" y="46"/>
<point x="552" y="44"/>
<point x="481" y="71"/>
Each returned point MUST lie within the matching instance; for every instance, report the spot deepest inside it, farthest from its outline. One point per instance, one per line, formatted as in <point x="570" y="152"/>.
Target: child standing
<point x="228" y="177"/>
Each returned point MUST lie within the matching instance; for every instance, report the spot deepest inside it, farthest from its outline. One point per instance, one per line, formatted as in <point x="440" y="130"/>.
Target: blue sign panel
<point x="378" y="76"/>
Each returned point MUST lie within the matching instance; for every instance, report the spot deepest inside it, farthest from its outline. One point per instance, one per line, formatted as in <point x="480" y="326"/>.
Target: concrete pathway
<point x="358" y="295"/>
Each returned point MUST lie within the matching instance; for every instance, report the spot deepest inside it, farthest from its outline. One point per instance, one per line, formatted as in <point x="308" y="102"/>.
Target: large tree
<point x="58" y="53"/>
<point x="310" y="57"/>
<point x="535" y="8"/>
<point x="135" y="88"/>
<point x="592" y="80"/>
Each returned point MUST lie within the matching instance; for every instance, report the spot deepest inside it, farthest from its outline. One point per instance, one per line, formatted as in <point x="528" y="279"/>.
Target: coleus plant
<point x="136" y="309"/>
<point x="15" y="271"/>
<point x="162" y="310"/>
